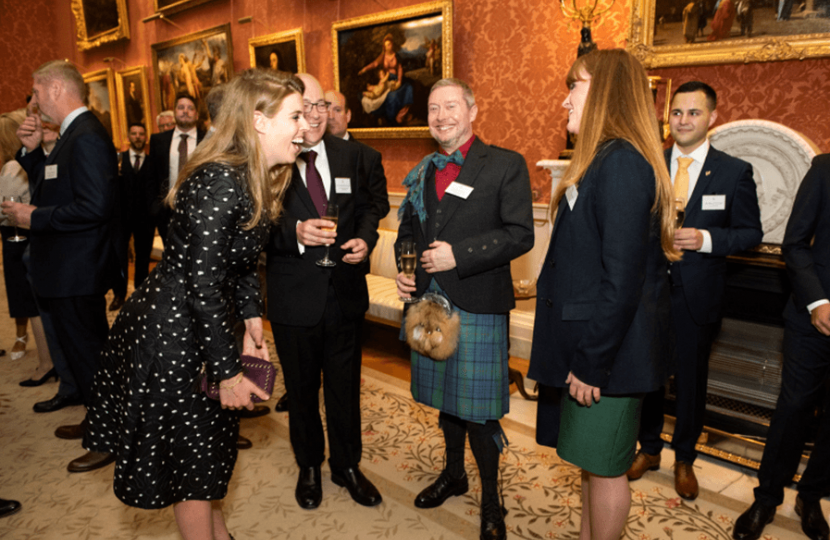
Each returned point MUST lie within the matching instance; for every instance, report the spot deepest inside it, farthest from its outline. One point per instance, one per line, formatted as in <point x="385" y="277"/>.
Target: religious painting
<point x="697" y="32"/>
<point x="133" y="99"/>
<point x="192" y="64"/>
<point x="386" y="63"/>
<point x="102" y="102"/>
<point x="168" y="7"/>
<point x="283" y="51"/>
<point x="100" y="21"/>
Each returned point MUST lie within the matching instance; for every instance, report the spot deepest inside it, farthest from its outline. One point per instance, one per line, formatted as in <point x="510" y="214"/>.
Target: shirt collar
<point x="319" y="148"/>
<point x="71" y="117"/>
<point x="698" y="154"/>
<point x="177" y="133"/>
<point x="464" y="148"/>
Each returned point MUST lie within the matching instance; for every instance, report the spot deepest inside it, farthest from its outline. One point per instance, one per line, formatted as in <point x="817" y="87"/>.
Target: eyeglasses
<point x="322" y="106"/>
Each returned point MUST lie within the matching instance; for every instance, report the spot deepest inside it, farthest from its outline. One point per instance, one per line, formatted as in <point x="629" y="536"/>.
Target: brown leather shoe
<point x="643" y="462"/>
<point x="685" y="481"/>
<point x="90" y="461"/>
<point x="71" y="432"/>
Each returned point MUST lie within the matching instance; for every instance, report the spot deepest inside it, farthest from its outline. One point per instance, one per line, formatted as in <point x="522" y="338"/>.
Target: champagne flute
<point x="409" y="261"/>
<point x="679" y="212"/>
<point x="332" y="212"/>
<point x="16" y="237"/>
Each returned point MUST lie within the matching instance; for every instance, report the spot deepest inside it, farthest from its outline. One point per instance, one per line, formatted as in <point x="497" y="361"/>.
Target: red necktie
<point x="315" y="183"/>
<point x="182" y="151"/>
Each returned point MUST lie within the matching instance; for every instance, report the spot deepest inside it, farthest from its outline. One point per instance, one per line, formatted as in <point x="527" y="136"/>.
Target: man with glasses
<point x="315" y="311"/>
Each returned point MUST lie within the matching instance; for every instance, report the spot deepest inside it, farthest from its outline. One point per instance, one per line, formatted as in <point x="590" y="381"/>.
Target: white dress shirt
<point x="174" y="151"/>
<point x="698" y="156"/>
<point x="322" y="164"/>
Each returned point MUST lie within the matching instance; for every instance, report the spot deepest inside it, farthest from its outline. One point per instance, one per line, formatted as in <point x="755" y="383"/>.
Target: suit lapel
<point x="707" y="173"/>
<point x="53" y="155"/>
<point x="474" y="162"/>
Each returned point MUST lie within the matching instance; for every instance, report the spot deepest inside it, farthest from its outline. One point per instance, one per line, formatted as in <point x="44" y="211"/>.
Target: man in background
<point x="166" y="120"/>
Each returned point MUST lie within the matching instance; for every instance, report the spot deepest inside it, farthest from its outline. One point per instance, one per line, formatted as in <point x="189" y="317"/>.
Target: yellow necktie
<point x="681" y="179"/>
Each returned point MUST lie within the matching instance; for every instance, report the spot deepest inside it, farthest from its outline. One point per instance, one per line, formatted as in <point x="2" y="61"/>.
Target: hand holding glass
<point x="409" y="261"/>
<point x="16" y="237"/>
<point x="332" y="212"/>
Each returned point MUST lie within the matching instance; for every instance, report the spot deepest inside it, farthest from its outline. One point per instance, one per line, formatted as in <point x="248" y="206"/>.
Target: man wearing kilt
<point x="469" y="211"/>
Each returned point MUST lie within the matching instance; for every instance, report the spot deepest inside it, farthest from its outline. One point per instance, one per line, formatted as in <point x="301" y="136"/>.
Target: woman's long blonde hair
<point x="235" y="141"/>
<point x="9" y="143"/>
<point x="620" y="106"/>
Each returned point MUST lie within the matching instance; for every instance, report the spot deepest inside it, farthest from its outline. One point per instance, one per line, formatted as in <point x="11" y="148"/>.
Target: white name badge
<point x="51" y="172"/>
<point x="343" y="186"/>
<point x="459" y="190"/>
<point x="571" y="194"/>
<point x="714" y="202"/>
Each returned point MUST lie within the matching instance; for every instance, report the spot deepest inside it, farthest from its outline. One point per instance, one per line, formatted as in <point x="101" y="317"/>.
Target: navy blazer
<point x="75" y="247"/>
<point x="734" y="228"/>
<point x="297" y="287"/>
<point x="603" y="301"/>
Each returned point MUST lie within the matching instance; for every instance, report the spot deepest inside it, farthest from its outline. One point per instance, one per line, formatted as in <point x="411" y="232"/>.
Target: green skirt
<point x="602" y="438"/>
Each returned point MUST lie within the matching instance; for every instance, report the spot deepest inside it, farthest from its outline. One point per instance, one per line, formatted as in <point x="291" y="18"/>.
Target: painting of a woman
<point x="722" y="23"/>
<point x="393" y="105"/>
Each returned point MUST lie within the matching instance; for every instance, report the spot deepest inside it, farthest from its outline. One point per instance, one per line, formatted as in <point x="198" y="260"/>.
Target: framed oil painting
<point x="284" y="51"/>
<point x="133" y="99"/>
<point x="696" y="32"/>
<point x="192" y="64"/>
<point x="168" y="7"/>
<point x="102" y="102"/>
<point x="100" y="21"/>
<point x="386" y="63"/>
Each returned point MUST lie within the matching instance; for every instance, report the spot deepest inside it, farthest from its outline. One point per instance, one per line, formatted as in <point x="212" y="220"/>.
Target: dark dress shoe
<point x="90" y="461"/>
<point x="57" y="403"/>
<point x="492" y="522"/>
<point x="72" y="432"/>
<point x="442" y="489"/>
<point x="117" y="303"/>
<point x="257" y="411"/>
<point x="309" y="492"/>
<point x="8" y="508"/>
<point x="243" y="443"/>
<point x="282" y="404"/>
<point x="643" y="462"/>
<point x="360" y="488"/>
<point x="812" y="519"/>
<point x="751" y="523"/>
<point x="37" y="382"/>
<point x="685" y="481"/>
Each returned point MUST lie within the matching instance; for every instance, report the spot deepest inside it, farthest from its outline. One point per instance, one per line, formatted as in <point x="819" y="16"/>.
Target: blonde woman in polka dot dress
<point x="171" y="444"/>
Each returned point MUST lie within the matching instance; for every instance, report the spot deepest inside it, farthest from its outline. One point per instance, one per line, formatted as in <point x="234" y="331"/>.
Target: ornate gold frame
<point x="769" y="49"/>
<point x="176" y="7"/>
<point x="115" y="118"/>
<point x="141" y="71"/>
<point x="442" y="7"/>
<point x="295" y="35"/>
<point x="86" y="42"/>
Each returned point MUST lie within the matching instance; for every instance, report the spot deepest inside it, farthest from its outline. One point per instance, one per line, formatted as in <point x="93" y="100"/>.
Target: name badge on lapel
<point x="714" y="202"/>
<point x="571" y="194"/>
<point x="51" y="172"/>
<point x="459" y="190"/>
<point x="343" y="186"/>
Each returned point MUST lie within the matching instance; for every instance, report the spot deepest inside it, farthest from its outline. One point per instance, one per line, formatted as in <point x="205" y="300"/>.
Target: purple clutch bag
<point x="261" y="372"/>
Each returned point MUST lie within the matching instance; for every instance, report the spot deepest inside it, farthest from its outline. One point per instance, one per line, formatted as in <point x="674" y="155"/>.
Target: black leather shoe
<point x="309" y="492"/>
<point x="57" y="403"/>
<point x="8" y="508"/>
<point x="360" y="488"/>
<point x="751" y="523"/>
<point x="442" y="489"/>
<point x="90" y="461"/>
<point x="282" y="404"/>
<point x="256" y="412"/>
<point x="492" y="522"/>
<point x="37" y="382"/>
<point x="243" y="443"/>
<point x="812" y="519"/>
<point x="72" y="432"/>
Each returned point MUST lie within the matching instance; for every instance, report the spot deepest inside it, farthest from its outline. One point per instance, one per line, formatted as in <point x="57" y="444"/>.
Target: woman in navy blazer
<point x="602" y="313"/>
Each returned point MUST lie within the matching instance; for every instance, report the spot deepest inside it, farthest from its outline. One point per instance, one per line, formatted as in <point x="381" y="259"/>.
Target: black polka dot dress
<point x="172" y="444"/>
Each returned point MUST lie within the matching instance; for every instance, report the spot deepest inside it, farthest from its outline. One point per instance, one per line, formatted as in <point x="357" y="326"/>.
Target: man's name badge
<point x="343" y="186"/>
<point x="714" y="202"/>
<point x="51" y="172"/>
<point x="459" y="190"/>
<point x="571" y="194"/>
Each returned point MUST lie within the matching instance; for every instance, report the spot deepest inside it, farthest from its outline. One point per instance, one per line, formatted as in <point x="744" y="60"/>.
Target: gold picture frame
<point x="169" y="7"/>
<point x="102" y="102"/>
<point x="384" y="107"/>
<point x="287" y="49"/>
<point x="657" y="39"/>
<point x="133" y="93"/>
<point x="100" y="21"/>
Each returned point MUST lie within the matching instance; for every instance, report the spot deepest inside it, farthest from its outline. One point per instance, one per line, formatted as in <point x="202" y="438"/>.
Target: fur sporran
<point x="432" y="327"/>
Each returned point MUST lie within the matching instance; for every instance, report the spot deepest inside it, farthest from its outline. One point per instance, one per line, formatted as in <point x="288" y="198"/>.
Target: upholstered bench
<point x="384" y="305"/>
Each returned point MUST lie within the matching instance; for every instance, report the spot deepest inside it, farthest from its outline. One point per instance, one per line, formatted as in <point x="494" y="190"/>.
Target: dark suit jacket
<point x="132" y="184"/>
<point x="297" y="287"/>
<point x="806" y="246"/>
<point x="76" y="228"/>
<point x="735" y="228"/>
<point x="157" y="169"/>
<point x="603" y="300"/>
<point x="490" y="228"/>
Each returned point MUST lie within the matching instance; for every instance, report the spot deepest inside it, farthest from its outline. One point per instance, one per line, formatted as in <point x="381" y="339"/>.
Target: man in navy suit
<point x="75" y="227"/>
<point x="806" y="368"/>
<point x="722" y="217"/>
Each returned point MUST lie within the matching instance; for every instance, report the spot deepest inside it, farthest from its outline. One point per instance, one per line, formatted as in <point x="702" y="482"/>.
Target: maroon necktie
<point x="315" y="183"/>
<point x="182" y="151"/>
<point x="137" y="164"/>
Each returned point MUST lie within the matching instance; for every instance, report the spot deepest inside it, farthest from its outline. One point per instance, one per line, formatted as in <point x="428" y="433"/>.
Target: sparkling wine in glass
<point x="332" y="212"/>
<point x="679" y="212"/>
<point x="409" y="261"/>
<point x="16" y="237"/>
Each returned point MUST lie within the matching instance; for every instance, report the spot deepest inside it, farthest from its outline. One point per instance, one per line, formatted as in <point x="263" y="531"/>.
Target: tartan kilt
<point x="472" y="384"/>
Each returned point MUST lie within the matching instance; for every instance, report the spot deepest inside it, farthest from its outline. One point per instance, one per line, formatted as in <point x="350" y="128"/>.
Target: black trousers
<point x="806" y="369"/>
<point x="694" y="344"/>
<point x="329" y="349"/>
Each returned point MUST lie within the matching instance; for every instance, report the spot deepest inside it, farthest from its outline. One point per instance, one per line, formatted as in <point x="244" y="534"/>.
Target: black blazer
<point x="297" y="287"/>
<point x="806" y="246"/>
<point x="75" y="246"/>
<point x="734" y="228"/>
<point x="132" y="184"/>
<point x="487" y="230"/>
<point x="603" y="300"/>
<point x="157" y="169"/>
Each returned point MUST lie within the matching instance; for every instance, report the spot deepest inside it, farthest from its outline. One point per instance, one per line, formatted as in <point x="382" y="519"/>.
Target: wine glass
<point x="409" y="261"/>
<point x="679" y="212"/>
<point x="16" y="237"/>
<point x="331" y="214"/>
